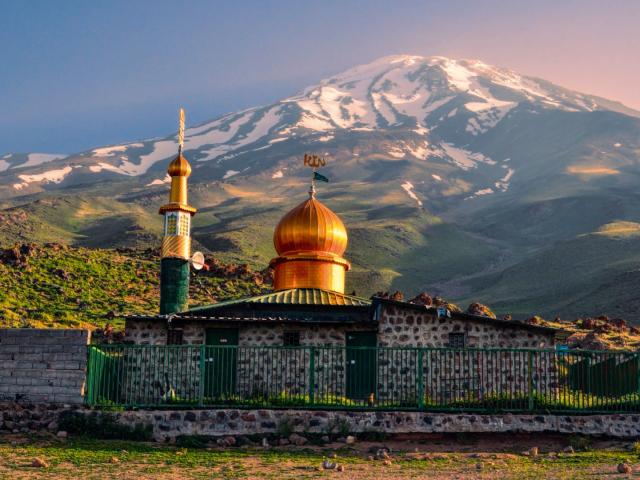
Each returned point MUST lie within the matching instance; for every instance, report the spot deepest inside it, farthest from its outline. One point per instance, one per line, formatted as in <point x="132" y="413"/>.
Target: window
<point x="174" y="336"/>
<point x="177" y="223"/>
<point x="457" y="340"/>
<point x="291" y="339"/>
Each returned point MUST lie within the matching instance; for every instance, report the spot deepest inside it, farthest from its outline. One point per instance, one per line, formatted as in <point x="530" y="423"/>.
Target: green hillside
<point x="591" y="274"/>
<point x="53" y="285"/>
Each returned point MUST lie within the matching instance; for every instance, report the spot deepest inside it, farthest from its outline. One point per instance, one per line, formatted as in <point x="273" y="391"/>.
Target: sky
<point x="78" y="74"/>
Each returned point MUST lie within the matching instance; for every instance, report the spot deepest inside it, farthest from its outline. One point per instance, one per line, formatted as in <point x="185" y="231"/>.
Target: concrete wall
<point x="43" y="365"/>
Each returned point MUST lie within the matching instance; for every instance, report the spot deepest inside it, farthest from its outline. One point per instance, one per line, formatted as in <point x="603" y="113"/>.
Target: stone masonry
<point x="168" y="425"/>
<point x="43" y="365"/>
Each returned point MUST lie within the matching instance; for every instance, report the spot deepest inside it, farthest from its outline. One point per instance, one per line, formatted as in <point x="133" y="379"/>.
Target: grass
<point x="61" y="286"/>
<point x="95" y="459"/>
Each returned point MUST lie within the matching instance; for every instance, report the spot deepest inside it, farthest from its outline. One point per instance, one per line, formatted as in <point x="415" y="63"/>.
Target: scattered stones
<point x="297" y="440"/>
<point x="382" y="454"/>
<point x="39" y="463"/>
<point x="624" y="468"/>
<point x="228" y="441"/>
<point x="328" y="465"/>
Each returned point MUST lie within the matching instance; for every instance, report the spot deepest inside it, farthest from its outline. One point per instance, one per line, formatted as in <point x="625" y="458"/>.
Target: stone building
<point x="308" y="308"/>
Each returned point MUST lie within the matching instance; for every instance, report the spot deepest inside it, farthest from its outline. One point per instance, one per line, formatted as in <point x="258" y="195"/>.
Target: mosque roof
<point x="292" y="296"/>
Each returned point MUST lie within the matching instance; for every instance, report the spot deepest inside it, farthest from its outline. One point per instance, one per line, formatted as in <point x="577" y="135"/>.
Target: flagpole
<point x="312" y="191"/>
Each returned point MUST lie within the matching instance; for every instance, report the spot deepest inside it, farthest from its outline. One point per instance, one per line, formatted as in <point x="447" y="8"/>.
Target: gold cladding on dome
<point x="179" y="167"/>
<point x="310" y="241"/>
<point x="310" y="227"/>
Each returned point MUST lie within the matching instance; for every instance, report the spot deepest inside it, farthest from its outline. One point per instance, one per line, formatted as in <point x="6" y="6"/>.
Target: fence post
<point x="90" y="374"/>
<point x="637" y="372"/>
<point x="312" y="375"/>
<point x="202" y="376"/>
<point x="420" y="374"/>
<point x="530" y="379"/>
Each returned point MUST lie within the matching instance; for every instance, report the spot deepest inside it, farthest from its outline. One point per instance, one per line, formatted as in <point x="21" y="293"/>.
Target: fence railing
<point x="435" y="379"/>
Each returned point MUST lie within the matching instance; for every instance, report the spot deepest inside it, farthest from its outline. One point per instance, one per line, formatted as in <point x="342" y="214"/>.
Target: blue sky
<point x="79" y="74"/>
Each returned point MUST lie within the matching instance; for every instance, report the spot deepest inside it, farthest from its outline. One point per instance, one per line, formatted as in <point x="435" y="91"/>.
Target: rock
<point x="340" y="468"/>
<point x="370" y="458"/>
<point x="328" y="465"/>
<point x="297" y="440"/>
<point x="114" y="460"/>
<point x="568" y="449"/>
<point x="61" y="434"/>
<point x="350" y="440"/>
<point x="382" y="454"/>
<point x="624" y="468"/>
<point x="265" y="442"/>
<point x="283" y="442"/>
<point x="533" y="452"/>
<point x="387" y="462"/>
<point x="230" y="441"/>
<point x="325" y="439"/>
<point x="479" y="466"/>
<point x="53" y="426"/>
<point x="39" y="463"/>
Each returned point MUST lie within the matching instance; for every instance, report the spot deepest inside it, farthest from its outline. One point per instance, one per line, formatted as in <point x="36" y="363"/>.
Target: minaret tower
<point x="176" y="243"/>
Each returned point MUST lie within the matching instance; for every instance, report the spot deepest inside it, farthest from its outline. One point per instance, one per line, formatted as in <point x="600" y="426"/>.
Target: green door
<point x="361" y="364"/>
<point x="221" y="360"/>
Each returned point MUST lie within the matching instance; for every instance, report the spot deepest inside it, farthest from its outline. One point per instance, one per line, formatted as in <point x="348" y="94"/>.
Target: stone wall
<point x="447" y="376"/>
<point x="167" y="425"/>
<point x="452" y="375"/>
<point x="43" y="365"/>
<point x="411" y="327"/>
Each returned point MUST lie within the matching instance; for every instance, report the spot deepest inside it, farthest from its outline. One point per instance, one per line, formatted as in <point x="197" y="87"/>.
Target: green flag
<point x="320" y="178"/>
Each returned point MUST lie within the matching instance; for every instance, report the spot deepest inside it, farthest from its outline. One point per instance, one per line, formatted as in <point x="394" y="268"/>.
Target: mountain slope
<point x="448" y="174"/>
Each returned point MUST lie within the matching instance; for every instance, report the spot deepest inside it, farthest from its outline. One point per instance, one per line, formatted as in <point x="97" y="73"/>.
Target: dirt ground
<point x="410" y="457"/>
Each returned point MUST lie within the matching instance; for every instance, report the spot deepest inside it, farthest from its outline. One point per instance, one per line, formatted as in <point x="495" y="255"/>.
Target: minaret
<point x="176" y="243"/>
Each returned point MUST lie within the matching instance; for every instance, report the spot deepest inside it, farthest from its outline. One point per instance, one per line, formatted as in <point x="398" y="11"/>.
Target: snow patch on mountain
<point x="50" y="176"/>
<point x="230" y="173"/>
<point x="114" y="150"/>
<point x="465" y="159"/>
<point x="408" y="187"/>
<point x="159" y="181"/>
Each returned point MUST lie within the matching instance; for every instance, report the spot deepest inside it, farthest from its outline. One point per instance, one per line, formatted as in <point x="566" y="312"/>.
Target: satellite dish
<point x="197" y="260"/>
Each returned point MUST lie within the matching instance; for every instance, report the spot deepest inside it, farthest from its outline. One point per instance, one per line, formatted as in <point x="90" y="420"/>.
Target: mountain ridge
<point x="449" y="174"/>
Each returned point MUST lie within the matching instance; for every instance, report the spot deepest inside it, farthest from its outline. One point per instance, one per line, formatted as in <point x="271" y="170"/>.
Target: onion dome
<point x="310" y="227"/>
<point x="310" y="241"/>
<point x="179" y="167"/>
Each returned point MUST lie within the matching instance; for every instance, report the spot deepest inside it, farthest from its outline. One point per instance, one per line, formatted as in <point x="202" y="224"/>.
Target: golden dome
<point x="310" y="227"/>
<point x="310" y="241"/>
<point x="179" y="167"/>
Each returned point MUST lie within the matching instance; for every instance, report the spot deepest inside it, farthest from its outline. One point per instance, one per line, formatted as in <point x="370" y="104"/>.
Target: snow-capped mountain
<point x="435" y="108"/>
<point x="453" y="176"/>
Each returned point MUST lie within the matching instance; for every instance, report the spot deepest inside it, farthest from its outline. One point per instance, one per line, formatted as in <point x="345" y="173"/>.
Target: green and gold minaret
<point x="176" y="243"/>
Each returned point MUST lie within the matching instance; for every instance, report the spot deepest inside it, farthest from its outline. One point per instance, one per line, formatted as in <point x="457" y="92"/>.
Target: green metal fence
<point x="434" y="379"/>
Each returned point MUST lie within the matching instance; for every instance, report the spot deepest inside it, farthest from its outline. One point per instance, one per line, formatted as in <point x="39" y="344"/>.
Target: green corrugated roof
<point x="295" y="296"/>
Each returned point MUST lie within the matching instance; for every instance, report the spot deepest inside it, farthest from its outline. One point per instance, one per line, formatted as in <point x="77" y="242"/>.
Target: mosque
<point x="308" y="305"/>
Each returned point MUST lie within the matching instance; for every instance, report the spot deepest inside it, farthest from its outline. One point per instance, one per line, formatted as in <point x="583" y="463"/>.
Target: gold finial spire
<point x="181" y="131"/>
